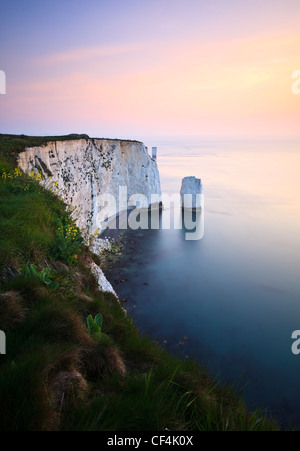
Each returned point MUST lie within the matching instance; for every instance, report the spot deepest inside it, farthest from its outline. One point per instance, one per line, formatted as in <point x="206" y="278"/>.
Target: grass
<point x="12" y="145"/>
<point x="57" y="375"/>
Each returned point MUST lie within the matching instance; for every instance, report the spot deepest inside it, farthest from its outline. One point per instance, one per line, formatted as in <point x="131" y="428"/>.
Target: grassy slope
<point x="55" y="375"/>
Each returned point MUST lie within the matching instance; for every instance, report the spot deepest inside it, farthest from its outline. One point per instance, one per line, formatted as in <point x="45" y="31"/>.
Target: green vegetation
<point x="44" y="276"/>
<point x="63" y="371"/>
<point x="94" y="326"/>
<point x="12" y="145"/>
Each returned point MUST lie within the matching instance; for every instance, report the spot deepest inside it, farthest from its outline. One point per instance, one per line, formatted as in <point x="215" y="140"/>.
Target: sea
<point x="230" y="299"/>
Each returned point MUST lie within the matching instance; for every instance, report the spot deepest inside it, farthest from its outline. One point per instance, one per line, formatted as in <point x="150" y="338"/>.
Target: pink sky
<point x="235" y="84"/>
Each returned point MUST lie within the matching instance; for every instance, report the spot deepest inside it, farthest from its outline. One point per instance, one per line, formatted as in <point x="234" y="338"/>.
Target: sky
<point x="136" y="69"/>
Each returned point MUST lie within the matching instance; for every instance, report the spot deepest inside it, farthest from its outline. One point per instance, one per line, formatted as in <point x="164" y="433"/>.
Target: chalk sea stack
<point x="191" y="193"/>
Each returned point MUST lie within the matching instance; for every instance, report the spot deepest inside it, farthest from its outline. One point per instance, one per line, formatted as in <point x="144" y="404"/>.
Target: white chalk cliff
<point x="86" y="168"/>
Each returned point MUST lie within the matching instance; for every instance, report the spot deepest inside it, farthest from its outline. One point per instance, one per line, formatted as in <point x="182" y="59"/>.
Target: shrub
<point x="69" y="241"/>
<point x="95" y="325"/>
<point x="44" y="276"/>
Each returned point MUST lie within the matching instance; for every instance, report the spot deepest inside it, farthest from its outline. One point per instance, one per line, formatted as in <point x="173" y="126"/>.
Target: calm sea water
<point x="232" y="299"/>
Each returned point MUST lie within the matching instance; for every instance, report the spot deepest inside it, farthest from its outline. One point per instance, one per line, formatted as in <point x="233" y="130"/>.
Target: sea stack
<point x="191" y="193"/>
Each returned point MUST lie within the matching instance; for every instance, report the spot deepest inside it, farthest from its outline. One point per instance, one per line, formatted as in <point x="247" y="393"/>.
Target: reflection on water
<point x="190" y="222"/>
<point x="235" y="294"/>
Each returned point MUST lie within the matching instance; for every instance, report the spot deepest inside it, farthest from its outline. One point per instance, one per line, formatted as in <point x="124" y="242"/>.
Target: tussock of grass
<point x="12" y="311"/>
<point x="56" y="375"/>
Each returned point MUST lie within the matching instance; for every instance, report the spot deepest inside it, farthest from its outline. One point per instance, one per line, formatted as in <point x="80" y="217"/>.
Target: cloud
<point x="219" y="85"/>
<point x="85" y="53"/>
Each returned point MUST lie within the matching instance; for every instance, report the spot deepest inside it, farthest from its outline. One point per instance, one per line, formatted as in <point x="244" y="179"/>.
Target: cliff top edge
<point x="70" y="137"/>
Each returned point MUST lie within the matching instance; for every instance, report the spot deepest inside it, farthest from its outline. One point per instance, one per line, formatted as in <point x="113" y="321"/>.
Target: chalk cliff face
<point x="85" y="169"/>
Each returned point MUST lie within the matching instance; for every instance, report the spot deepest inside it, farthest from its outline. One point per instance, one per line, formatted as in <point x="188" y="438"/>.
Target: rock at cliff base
<point x="103" y="283"/>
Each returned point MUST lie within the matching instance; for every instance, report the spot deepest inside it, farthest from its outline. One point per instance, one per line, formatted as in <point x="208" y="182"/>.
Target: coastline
<point x="72" y="351"/>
